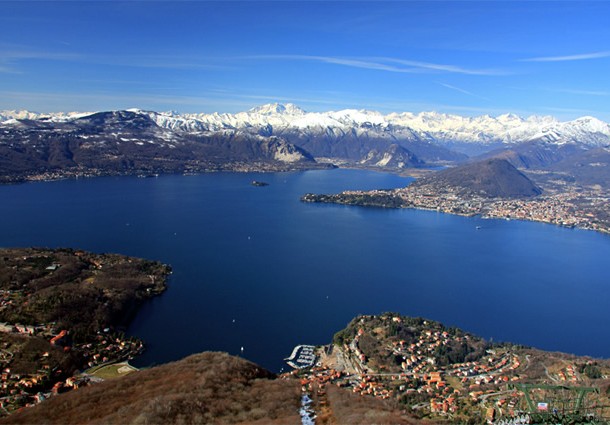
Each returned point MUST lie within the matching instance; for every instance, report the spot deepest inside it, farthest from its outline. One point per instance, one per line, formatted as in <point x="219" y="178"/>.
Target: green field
<point x="111" y="371"/>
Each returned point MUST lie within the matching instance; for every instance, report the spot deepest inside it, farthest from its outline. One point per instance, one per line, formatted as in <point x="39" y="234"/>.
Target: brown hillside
<point x="203" y="388"/>
<point x="492" y="178"/>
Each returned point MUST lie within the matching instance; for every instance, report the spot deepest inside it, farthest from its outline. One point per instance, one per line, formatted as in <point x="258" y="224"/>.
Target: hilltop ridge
<point x="202" y="388"/>
<point x="491" y="178"/>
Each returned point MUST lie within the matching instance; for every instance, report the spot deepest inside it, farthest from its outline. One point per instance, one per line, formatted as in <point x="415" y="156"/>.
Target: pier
<point x="302" y="357"/>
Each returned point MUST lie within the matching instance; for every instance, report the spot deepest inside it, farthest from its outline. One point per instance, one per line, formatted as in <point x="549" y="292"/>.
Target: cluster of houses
<point x="7" y="298"/>
<point x="372" y="385"/>
<point x="19" y="390"/>
<point x="548" y="210"/>
<point x="319" y="377"/>
<point x="23" y="390"/>
<point x="108" y="347"/>
<point x="444" y="388"/>
<point x="423" y="379"/>
<point x="570" y="209"/>
<point x="568" y="374"/>
<point x="449" y="201"/>
<point x="494" y="370"/>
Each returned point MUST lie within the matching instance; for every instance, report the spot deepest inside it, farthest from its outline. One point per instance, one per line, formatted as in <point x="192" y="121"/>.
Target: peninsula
<point x="64" y="310"/>
<point x="491" y="188"/>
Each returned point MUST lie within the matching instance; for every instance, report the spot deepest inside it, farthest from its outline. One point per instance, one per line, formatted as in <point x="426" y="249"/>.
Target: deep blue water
<point x="256" y="268"/>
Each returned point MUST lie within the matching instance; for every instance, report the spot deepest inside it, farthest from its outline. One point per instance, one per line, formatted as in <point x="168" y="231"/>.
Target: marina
<point x="302" y="357"/>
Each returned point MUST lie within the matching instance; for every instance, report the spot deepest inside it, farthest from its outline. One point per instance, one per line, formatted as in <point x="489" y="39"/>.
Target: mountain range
<point x="126" y="142"/>
<point x="286" y="136"/>
<point x="427" y="126"/>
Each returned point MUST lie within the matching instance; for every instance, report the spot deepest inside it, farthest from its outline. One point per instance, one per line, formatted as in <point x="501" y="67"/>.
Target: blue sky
<point x="470" y="58"/>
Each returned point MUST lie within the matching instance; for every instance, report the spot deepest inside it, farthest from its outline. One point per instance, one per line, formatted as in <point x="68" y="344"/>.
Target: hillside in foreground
<point x="385" y="369"/>
<point x="206" y="388"/>
<point x="203" y="388"/>
<point x="444" y="374"/>
<point x="61" y="311"/>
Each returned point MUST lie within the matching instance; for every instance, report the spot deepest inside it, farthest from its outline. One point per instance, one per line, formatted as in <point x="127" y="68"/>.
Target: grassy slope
<point x="203" y="388"/>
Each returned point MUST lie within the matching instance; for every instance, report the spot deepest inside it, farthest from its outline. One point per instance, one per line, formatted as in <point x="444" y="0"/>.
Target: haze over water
<point x="256" y="268"/>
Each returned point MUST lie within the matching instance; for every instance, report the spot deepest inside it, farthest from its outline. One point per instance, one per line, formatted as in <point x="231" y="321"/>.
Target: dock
<point x="302" y="357"/>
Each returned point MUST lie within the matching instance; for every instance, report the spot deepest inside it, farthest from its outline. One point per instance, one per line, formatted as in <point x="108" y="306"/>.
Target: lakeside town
<point x="575" y="207"/>
<point x="487" y="385"/>
<point x="193" y="167"/>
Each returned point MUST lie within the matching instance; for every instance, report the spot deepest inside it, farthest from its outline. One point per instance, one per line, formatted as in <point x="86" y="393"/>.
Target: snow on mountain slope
<point x="18" y="115"/>
<point x="6" y="116"/>
<point x="430" y="126"/>
<point x="277" y="119"/>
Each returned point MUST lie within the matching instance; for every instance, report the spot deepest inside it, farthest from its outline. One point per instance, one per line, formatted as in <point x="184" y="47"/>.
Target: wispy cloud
<point x="458" y="89"/>
<point x="582" y="92"/>
<point x="160" y="61"/>
<point x="206" y="101"/>
<point x="351" y="62"/>
<point x="236" y="101"/>
<point x="554" y="109"/>
<point x="384" y="64"/>
<point x="12" y="55"/>
<point x="5" y="68"/>
<point x="15" y="54"/>
<point x="96" y="101"/>
<point x="453" y="69"/>
<point x="578" y="57"/>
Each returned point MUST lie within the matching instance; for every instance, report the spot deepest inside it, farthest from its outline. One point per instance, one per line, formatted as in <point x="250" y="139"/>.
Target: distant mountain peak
<point x="509" y="117"/>
<point x="278" y="108"/>
<point x="446" y="130"/>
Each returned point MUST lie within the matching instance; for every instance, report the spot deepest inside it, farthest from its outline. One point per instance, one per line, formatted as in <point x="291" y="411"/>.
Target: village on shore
<point x="488" y="387"/>
<point x="574" y="208"/>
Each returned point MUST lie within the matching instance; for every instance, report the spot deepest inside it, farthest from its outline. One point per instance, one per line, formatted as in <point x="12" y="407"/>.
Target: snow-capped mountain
<point x="288" y="134"/>
<point x="128" y="142"/>
<point x="13" y="116"/>
<point x="396" y="139"/>
<point x="280" y="137"/>
<point x="433" y="127"/>
<point x="430" y="126"/>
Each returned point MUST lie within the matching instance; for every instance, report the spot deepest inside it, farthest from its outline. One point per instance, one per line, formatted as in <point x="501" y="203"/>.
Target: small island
<point x="259" y="183"/>
<point x="63" y="311"/>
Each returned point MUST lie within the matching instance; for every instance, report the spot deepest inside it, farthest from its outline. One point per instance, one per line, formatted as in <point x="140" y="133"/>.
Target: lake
<point x="256" y="268"/>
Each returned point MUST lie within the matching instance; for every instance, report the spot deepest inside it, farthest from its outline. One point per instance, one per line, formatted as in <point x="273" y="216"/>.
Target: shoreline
<point x="234" y="167"/>
<point x="52" y="339"/>
<point x="542" y="209"/>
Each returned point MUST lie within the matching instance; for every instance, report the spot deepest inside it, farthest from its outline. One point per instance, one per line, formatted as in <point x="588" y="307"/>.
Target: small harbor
<point x="302" y="357"/>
